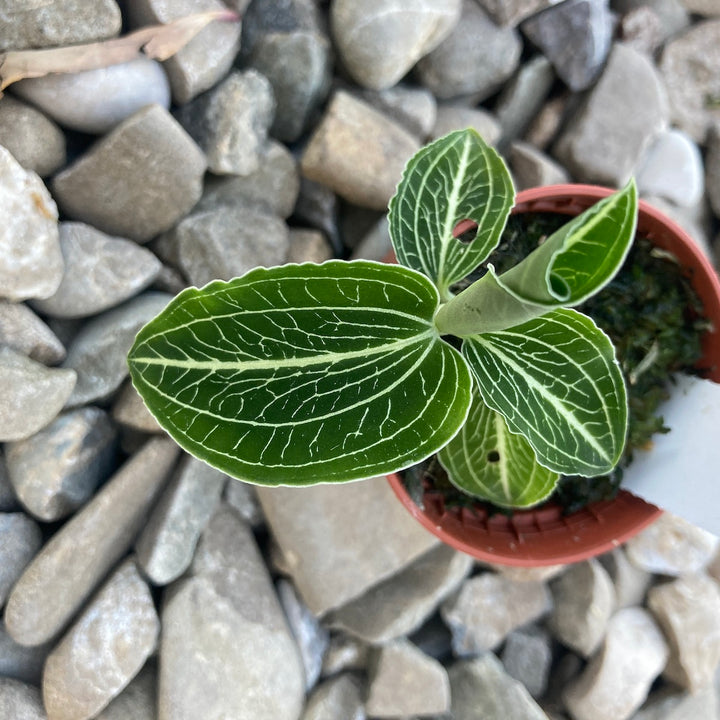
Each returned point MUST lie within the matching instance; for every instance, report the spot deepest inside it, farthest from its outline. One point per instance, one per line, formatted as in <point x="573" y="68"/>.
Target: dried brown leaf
<point x="156" y="41"/>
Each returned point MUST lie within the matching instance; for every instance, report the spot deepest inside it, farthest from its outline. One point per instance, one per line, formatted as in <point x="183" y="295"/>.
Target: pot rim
<point x="544" y="536"/>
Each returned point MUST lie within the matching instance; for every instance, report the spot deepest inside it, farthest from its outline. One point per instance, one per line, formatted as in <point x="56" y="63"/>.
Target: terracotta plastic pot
<point x="545" y="536"/>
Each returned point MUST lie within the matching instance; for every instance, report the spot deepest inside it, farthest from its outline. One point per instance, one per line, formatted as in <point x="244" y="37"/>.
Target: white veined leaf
<point x="458" y="177"/>
<point x="556" y="382"/>
<point x="573" y="264"/>
<point x="304" y="373"/>
<point x="489" y="462"/>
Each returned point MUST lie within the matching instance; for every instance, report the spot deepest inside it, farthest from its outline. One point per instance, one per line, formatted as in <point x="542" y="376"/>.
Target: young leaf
<point x="556" y="381"/>
<point x="573" y="264"/>
<point x="581" y="257"/>
<point x="304" y="373"/>
<point x="458" y="177"/>
<point x="487" y="461"/>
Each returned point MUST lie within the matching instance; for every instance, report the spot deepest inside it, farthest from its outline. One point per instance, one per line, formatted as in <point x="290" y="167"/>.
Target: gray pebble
<point x="413" y="107"/>
<point x="230" y="122"/>
<point x="35" y="141"/>
<point x="480" y="688"/>
<point x="310" y="636"/>
<point x="20" y="701"/>
<point x="100" y="272"/>
<point x="275" y="184"/>
<point x="357" y="152"/>
<point x="688" y="610"/>
<point x="56" y="471"/>
<point x="95" y="101"/>
<point x="137" y="181"/>
<point x="31" y="264"/>
<point x="52" y="24"/>
<point x="340" y="697"/>
<point x="137" y="701"/>
<point x="226" y="611"/>
<point x="451" y="116"/>
<point x="241" y="496"/>
<point x="54" y="587"/>
<point x="98" y="353"/>
<point x="627" y="109"/>
<point x="19" y="661"/>
<point x="166" y="545"/>
<point x="527" y="657"/>
<point x="616" y="681"/>
<point x="298" y="66"/>
<point x="20" y="539"/>
<point x="474" y="60"/>
<point x="690" y="67"/>
<point x="584" y="599"/>
<point x="104" y="649"/>
<point x="403" y="681"/>
<point x="308" y="246"/>
<point x="205" y="59"/>
<point x="221" y="244"/>
<point x="33" y="394"/>
<point x="130" y="411"/>
<point x="22" y="330"/>
<point x="379" y="42"/>
<point x="488" y="607"/>
<point x="532" y="168"/>
<point x="575" y="36"/>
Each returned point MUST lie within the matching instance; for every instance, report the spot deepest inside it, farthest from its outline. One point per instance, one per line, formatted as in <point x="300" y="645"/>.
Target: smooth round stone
<point x="380" y="41"/>
<point x="104" y="649"/>
<point x="36" y="142"/>
<point x="130" y="411"/>
<point x="95" y="101"/>
<point x="31" y="264"/>
<point x="56" y="471"/>
<point x="32" y="394"/>
<point x="673" y="169"/>
<point x="100" y="272"/>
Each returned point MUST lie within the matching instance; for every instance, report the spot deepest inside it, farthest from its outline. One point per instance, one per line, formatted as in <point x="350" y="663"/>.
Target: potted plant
<point x="341" y="371"/>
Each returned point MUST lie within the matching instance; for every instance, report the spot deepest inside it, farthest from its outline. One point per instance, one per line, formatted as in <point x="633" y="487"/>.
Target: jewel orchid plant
<point x="339" y="371"/>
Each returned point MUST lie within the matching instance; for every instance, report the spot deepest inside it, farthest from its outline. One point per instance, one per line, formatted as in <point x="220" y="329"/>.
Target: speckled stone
<point x="688" y="610"/>
<point x="100" y="272"/>
<point x="104" y="649"/>
<point x="57" y="23"/>
<point x="357" y="152"/>
<point x="275" y="184"/>
<point x="205" y="59"/>
<point x="31" y="264"/>
<point x="230" y="122"/>
<point x="488" y="607"/>
<point x="137" y="181"/>
<point x="225" y="611"/>
<point x="20" y="701"/>
<point x="56" y="471"/>
<point x="54" y="587"/>
<point x="339" y="697"/>
<point x="137" y="701"/>
<point x="33" y="394"/>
